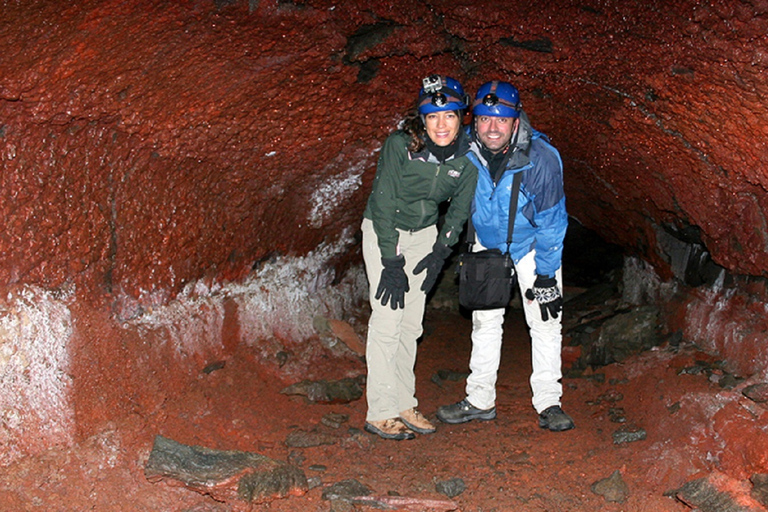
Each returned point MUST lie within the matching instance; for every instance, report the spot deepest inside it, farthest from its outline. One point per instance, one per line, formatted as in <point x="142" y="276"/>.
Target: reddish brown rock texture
<point x="147" y="145"/>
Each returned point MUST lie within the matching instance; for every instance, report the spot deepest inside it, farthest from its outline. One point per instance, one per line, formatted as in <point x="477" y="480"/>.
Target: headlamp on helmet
<point x="497" y="99"/>
<point x="440" y="93"/>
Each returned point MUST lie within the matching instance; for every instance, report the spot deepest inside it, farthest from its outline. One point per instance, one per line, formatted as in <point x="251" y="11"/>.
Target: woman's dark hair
<point x="414" y="127"/>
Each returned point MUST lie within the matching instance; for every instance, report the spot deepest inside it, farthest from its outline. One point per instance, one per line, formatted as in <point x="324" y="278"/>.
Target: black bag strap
<point x="512" y="212"/>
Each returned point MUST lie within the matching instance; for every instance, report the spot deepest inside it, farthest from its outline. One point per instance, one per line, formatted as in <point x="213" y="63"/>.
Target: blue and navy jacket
<point x="541" y="220"/>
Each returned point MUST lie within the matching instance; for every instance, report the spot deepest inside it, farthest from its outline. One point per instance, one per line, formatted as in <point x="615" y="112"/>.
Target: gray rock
<point x="716" y="493"/>
<point x="452" y="487"/>
<point x="626" y="334"/>
<point x="613" y="488"/>
<point x="760" y="487"/>
<point x="346" y="490"/>
<point x="328" y="392"/>
<point x="224" y="475"/>
<point x="757" y="392"/>
<point x="615" y="336"/>
<point x="304" y="439"/>
<point x="629" y="434"/>
<point x="334" y="420"/>
<point x="617" y="415"/>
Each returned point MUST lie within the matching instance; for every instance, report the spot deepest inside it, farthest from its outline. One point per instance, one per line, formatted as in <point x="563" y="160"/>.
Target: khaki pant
<point x="392" y="334"/>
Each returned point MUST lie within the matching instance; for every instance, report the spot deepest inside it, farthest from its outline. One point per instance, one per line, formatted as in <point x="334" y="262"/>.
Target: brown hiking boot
<point x="416" y="421"/>
<point x="392" y="428"/>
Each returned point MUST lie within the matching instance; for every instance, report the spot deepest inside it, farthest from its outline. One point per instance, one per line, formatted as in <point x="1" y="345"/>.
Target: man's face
<point x="495" y="132"/>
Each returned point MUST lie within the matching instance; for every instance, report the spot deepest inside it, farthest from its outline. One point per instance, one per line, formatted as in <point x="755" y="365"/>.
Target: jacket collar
<point x="462" y="148"/>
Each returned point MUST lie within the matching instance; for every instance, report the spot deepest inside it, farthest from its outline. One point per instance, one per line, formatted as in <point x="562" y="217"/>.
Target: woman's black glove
<point x="393" y="283"/>
<point x="433" y="263"/>
<point x="547" y="294"/>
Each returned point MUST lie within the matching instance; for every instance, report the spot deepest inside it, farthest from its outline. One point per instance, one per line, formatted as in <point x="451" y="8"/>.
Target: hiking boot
<point x="463" y="412"/>
<point x="392" y="428"/>
<point x="416" y="421"/>
<point x="555" y="419"/>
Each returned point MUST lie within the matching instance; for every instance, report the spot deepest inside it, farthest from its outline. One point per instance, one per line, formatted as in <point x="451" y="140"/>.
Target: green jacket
<point x="409" y="188"/>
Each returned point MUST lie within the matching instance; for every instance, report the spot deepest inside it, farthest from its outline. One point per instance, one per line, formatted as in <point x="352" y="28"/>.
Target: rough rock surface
<point x="145" y="145"/>
<point x="224" y="475"/>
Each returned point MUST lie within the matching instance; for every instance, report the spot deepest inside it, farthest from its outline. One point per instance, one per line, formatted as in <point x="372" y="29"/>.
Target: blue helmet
<point x="439" y="93"/>
<point x="497" y="99"/>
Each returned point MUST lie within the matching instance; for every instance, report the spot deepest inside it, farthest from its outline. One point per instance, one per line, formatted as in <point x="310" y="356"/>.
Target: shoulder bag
<point x="487" y="278"/>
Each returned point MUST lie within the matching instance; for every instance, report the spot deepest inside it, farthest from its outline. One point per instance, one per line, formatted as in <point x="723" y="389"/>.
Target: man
<point x="504" y="144"/>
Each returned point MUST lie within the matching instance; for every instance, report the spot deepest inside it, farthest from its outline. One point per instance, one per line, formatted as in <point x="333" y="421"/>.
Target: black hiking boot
<point x="463" y="412"/>
<point x="555" y="419"/>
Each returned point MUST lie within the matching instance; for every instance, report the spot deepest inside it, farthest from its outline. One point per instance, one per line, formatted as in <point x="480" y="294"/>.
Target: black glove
<point x="393" y="283"/>
<point x="433" y="263"/>
<point x="547" y="294"/>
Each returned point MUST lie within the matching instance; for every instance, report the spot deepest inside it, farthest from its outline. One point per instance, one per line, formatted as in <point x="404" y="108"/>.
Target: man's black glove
<point x="433" y="263"/>
<point x="393" y="283"/>
<point x="547" y="294"/>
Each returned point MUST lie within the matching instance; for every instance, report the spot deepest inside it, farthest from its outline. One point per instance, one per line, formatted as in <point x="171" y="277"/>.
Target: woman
<point x="420" y="166"/>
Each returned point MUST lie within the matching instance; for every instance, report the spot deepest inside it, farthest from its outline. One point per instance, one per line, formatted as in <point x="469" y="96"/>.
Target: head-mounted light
<point x="439" y="99"/>
<point x="490" y="100"/>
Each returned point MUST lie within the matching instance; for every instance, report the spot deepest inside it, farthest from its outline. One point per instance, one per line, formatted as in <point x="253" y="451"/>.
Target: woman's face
<point x="442" y="127"/>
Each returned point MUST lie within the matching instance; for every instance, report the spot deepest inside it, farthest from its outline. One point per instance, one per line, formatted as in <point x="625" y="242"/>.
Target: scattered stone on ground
<point x="613" y="488"/>
<point x="212" y="367"/>
<point x="451" y="487"/>
<point x="334" y="420"/>
<point x="328" y="392"/>
<point x="304" y="439"/>
<point x="757" y="392"/>
<point x="224" y="475"/>
<point x="629" y="433"/>
<point x="617" y="415"/>
<point x="718" y="492"/>
<point x="346" y="490"/>
<point x="760" y="487"/>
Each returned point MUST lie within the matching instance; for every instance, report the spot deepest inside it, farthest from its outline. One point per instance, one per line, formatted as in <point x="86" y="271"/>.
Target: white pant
<point x="391" y="345"/>
<point x="546" y="343"/>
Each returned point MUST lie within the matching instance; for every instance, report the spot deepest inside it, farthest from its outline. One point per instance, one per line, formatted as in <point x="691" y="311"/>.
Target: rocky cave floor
<point x="508" y="464"/>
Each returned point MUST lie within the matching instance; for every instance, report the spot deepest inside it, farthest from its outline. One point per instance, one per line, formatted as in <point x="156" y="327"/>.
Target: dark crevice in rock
<point x="543" y="45"/>
<point x="366" y="37"/>
<point x="368" y="70"/>
<point x="689" y="258"/>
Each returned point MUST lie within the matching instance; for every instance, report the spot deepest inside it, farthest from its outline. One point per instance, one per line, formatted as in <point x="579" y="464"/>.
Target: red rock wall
<point x="148" y="144"/>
